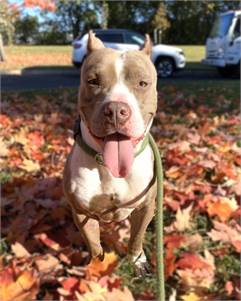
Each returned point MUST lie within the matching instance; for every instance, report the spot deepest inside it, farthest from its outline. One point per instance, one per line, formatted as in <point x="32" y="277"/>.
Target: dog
<point x="109" y="174"/>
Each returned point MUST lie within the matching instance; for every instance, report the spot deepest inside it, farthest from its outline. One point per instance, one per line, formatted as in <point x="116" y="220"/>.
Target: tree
<point x="104" y="14"/>
<point x="191" y="21"/>
<point x="26" y="29"/>
<point x="135" y="15"/>
<point x="51" y="34"/>
<point x="76" y="16"/>
<point x="160" y="19"/>
<point x="8" y="15"/>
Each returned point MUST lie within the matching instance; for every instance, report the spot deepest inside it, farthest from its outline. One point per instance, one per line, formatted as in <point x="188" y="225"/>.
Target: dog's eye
<point x="143" y="84"/>
<point x="93" y="81"/>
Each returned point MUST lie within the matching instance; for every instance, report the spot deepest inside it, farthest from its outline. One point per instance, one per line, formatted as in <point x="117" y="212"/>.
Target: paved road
<point x="38" y="81"/>
<point x="46" y="81"/>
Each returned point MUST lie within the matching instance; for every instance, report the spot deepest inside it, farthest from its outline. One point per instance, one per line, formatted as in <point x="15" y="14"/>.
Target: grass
<point x="228" y="88"/>
<point x="193" y="53"/>
<point x="19" y="57"/>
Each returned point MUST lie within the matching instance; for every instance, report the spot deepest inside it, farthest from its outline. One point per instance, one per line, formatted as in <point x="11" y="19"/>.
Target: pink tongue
<point x="118" y="155"/>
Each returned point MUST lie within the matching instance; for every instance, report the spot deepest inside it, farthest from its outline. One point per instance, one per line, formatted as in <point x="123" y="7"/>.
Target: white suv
<point x="167" y="59"/>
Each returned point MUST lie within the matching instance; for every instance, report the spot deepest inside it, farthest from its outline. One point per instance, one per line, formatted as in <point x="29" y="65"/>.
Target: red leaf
<point x="191" y="261"/>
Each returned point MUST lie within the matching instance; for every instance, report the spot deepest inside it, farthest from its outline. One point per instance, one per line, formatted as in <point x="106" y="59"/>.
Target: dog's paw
<point x="141" y="266"/>
<point x="101" y="256"/>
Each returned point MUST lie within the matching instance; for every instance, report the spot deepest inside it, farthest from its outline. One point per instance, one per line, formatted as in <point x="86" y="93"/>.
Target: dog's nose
<point x="117" y="112"/>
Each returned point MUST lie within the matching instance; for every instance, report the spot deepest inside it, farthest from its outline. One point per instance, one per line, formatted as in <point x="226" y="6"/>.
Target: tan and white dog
<point x="117" y="102"/>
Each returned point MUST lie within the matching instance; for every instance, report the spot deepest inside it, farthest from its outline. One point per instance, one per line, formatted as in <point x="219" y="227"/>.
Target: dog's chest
<point x="97" y="190"/>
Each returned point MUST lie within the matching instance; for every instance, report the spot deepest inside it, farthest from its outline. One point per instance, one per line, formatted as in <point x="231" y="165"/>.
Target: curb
<point x="9" y="72"/>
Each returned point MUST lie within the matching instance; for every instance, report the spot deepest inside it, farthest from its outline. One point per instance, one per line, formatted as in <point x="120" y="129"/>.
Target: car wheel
<point x="230" y="71"/>
<point x="77" y="65"/>
<point x="165" y="67"/>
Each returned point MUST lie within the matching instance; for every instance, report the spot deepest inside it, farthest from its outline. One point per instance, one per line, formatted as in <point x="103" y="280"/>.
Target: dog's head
<point x="117" y="100"/>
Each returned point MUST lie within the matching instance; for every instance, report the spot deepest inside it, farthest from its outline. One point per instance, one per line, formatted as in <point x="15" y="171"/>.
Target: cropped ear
<point x="147" y="47"/>
<point x="93" y="42"/>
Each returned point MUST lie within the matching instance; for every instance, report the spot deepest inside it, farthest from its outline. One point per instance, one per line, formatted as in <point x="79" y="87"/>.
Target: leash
<point x="159" y="221"/>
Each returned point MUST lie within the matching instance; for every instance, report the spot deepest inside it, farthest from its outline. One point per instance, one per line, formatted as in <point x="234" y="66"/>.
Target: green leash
<point x="159" y="222"/>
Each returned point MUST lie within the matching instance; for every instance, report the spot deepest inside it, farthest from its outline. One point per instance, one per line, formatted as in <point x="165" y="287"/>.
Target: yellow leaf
<point x="190" y="297"/>
<point x="24" y="288"/>
<point x="174" y="172"/>
<point x="3" y="148"/>
<point x="183" y="219"/>
<point x="96" y="293"/>
<point x="19" y="250"/>
<point x="30" y="166"/>
<point x="20" y="137"/>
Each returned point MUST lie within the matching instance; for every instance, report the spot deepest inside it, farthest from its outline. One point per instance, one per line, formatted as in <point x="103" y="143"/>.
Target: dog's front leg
<point x="140" y="219"/>
<point x="90" y="232"/>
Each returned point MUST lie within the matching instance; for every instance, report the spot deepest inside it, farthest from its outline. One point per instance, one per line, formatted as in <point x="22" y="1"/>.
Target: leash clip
<point x="99" y="159"/>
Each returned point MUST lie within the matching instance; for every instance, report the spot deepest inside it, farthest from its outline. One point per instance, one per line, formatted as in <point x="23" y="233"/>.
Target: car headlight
<point x="220" y="52"/>
<point x="180" y="52"/>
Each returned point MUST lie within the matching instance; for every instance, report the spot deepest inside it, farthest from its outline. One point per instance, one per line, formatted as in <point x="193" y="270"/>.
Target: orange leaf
<point x="70" y="284"/>
<point x="222" y="209"/>
<point x="97" y="267"/>
<point x="24" y="288"/>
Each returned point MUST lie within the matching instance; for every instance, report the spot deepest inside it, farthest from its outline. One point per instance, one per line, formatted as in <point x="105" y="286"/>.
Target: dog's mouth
<point x="118" y="153"/>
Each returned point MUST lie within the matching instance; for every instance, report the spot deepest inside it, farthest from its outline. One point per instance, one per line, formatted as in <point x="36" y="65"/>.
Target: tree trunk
<point x="2" y="53"/>
<point x="104" y="14"/>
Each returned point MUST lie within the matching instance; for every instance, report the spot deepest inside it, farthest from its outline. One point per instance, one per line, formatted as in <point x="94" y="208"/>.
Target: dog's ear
<point x="93" y="42"/>
<point x="147" y="47"/>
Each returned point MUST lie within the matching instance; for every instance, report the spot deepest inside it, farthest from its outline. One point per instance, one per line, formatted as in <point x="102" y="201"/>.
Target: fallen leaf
<point x="182" y="222"/>
<point x="190" y="297"/>
<point x="25" y="286"/>
<point x="47" y="263"/>
<point x="223" y="208"/>
<point x="3" y="148"/>
<point x="119" y="295"/>
<point x="229" y="287"/>
<point x="19" y="250"/>
<point x="47" y="241"/>
<point x="226" y="234"/>
<point x="97" y="267"/>
<point x="197" y="271"/>
<point x="30" y="166"/>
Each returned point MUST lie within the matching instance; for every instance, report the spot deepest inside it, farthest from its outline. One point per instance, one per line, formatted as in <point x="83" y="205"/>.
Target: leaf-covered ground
<point x="42" y="253"/>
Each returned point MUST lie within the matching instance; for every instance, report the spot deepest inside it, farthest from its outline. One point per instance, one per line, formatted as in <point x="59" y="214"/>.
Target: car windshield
<point x="221" y="26"/>
<point x="135" y="38"/>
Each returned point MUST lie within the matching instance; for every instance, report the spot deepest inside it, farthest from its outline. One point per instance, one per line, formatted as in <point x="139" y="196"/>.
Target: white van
<point x="223" y="46"/>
